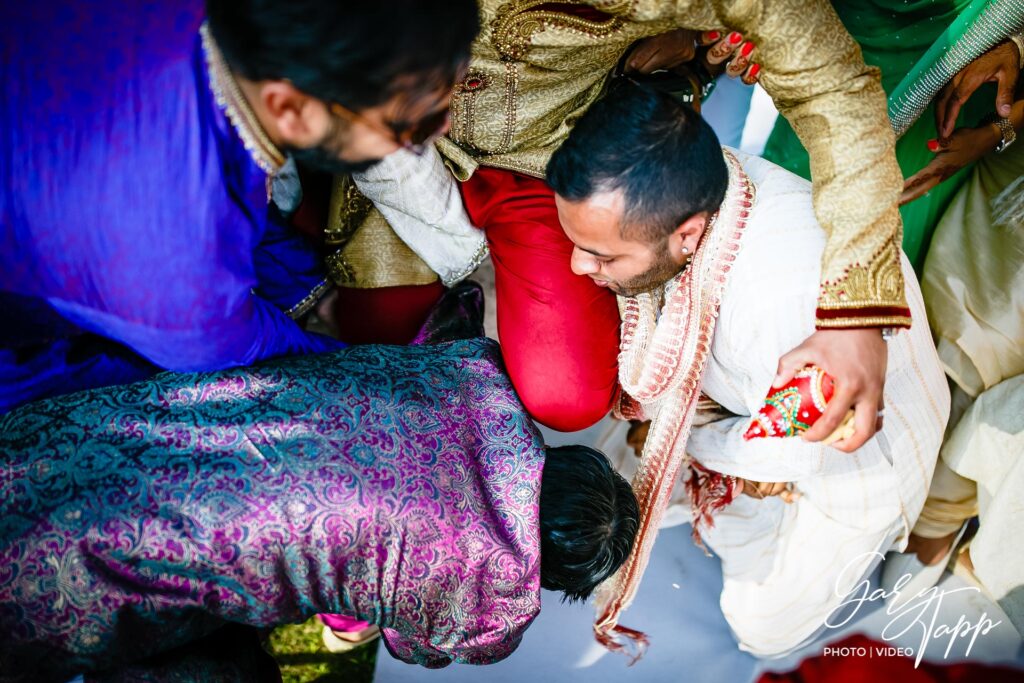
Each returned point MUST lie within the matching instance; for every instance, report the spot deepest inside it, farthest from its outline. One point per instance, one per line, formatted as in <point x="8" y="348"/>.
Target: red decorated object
<point x="792" y="409"/>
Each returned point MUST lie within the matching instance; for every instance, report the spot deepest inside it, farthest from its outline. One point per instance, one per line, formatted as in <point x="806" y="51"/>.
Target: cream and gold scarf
<point x="661" y="368"/>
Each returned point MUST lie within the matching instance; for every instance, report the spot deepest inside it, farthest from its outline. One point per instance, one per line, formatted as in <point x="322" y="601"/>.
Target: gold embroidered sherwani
<point x="537" y="66"/>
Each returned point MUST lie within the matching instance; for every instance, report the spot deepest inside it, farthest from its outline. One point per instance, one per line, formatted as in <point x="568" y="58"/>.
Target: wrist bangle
<point x="1018" y="40"/>
<point x="1007" y="132"/>
<point x="889" y="333"/>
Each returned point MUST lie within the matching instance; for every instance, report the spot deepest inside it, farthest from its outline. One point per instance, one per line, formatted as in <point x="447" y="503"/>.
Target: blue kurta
<point x="136" y="229"/>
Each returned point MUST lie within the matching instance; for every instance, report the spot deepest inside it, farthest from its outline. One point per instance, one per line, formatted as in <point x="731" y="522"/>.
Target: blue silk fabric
<point x="135" y="228"/>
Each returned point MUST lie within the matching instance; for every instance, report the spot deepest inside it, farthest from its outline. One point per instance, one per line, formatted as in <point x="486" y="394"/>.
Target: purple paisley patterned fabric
<point x="396" y="484"/>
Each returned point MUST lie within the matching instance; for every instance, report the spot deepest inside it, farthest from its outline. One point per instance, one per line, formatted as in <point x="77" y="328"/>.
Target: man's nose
<point x="583" y="263"/>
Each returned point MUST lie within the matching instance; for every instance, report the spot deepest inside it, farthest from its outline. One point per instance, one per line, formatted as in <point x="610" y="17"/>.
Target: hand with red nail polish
<point x="750" y="77"/>
<point x="738" y="65"/>
<point x="732" y="51"/>
<point x="964" y="147"/>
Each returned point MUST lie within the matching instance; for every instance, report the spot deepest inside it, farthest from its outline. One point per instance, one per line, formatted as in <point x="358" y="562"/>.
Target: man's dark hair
<point x="588" y="521"/>
<point x="358" y="54"/>
<point x="659" y="152"/>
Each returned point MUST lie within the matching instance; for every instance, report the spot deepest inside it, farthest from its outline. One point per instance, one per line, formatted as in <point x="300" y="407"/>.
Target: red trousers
<point x="559" y="331"/>
<point x="882" y="667"/>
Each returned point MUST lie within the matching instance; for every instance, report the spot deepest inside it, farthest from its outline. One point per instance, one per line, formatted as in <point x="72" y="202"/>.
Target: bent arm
<point x="816" y="75"/>
<point x="719" y="446"/>
<point x="213" y="339"/>
<point x="814" y="71"/>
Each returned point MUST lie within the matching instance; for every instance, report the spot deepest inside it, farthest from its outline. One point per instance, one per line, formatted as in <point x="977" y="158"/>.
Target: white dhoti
<point x="787" y="567"/>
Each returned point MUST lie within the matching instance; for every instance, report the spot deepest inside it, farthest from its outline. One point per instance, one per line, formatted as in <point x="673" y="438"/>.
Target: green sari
<point x="903" y="39"/>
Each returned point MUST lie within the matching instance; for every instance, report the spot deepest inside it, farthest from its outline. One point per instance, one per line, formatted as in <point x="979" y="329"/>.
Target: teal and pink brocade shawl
<point x="396" y="484"/>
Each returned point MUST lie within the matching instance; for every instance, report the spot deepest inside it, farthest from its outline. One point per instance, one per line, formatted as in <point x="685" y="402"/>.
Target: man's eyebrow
<point x="595" y="253"/>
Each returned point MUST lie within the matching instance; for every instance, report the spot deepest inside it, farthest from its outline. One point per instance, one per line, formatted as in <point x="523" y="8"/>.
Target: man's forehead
<point x="597" y="212"/>
<point x="595" y="223"/>
<point x="610" y="201"/>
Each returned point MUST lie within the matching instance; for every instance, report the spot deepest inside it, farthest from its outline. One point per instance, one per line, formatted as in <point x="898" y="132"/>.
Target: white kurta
<point x="787" y="567"/>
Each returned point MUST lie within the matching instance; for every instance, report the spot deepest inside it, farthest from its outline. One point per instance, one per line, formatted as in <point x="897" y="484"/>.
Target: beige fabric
<point x="974" y="287"/>
<point x="952" y="500"/>
<point x="378" y="258"/>
<point x="535" y="71"/>
<point x="419" y="199"/>
<point x="987" y="447"/>
<point x="973" y="281"/>
<point x="781" y="563"/>
<point x="364" y="252"/>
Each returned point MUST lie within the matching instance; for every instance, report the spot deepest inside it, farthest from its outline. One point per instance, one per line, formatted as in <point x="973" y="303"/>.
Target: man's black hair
<point x="659" y="152"/>
<point x="358" y="54"/>
<point x="588" y="521"/>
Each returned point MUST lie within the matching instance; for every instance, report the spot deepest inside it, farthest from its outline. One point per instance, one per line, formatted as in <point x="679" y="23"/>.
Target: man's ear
<point x="687" y="236"/>
<point x="300" y="120"/>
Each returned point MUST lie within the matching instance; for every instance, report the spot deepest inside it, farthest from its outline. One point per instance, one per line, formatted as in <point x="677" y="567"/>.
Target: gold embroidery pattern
<point x="511" y="89"/>
<point x="348" y="210"/>
<point x="876" y="284"/>
<point x="852" y="321"/>
<point x="463" y="103"/>
<point x="515" y="24"/>
<point x="366" y="251"/>
<point x="379" y="258"/>
<point x="229" y="98"/>
<point x="530" y="102"/>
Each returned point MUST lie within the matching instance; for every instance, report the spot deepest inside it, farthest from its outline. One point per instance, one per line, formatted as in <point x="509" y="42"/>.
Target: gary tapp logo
<point x="919" y="615"/>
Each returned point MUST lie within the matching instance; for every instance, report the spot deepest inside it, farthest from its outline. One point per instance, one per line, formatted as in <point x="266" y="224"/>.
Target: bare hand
<point x="728" y="53"/>
<point x="1000" y="64"/>
<point x="763" y="489"/>
<point x="857" y="360"/>
<point x="636" y="437"/>
<point x="961" y="149"/>
<point x="663" y="51"/>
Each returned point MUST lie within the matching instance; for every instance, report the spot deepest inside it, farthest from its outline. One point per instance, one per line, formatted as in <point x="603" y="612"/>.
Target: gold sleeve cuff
<point x="365" y="253"/>
<point x="866" y="295"/>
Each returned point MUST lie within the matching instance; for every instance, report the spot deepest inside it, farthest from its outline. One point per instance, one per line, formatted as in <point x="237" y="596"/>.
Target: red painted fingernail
<point x="735" y="38"/>
<point x="933" y="145"/>
<point x="754" y="71"/>
<point x="714" y="35"/>
<point x="748" y="47"/>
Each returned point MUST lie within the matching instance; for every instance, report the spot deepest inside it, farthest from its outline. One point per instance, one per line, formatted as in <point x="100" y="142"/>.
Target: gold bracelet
<point x="1018" y="40"/>
<point x="1008" y="133"/>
